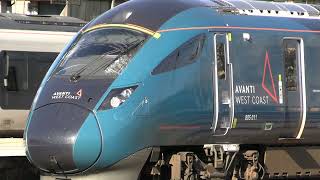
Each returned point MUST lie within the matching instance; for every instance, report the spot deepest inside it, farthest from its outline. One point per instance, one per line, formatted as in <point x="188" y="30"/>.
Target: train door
<point x="222" y="86"/>
<point x="294" y="86"/>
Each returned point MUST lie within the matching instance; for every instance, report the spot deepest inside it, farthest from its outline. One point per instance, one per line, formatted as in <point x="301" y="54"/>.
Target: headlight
<point x="127" y="93"/>
<point x="116" y="101"/>
<point x="117" y="97"/>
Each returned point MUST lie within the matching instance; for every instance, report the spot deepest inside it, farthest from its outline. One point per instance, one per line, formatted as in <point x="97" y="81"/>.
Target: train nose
<point x="63" y="138"/>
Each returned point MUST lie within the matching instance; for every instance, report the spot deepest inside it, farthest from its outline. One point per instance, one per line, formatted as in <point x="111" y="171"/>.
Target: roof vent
<point x="261" y="8"/>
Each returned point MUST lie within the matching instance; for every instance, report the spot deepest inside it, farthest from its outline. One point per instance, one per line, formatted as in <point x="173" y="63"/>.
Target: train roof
<point x="159" y="11"/>
<point x="40" y="22"/>
<point x="288" y="9"/>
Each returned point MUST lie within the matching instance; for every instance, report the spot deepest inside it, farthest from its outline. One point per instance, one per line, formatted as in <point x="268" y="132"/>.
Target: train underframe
<point x="232" y="161"/>
<point x="210" y="161"/>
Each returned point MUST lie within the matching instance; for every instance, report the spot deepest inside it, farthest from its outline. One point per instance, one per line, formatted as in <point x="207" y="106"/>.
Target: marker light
<point x="117" y="97"/>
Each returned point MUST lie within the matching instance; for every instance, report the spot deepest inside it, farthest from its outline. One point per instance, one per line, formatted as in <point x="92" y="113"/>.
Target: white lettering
<point x="245" y="89"/>
<point x="64" y="95"/>
<point x="254" y="100"/>
<point x="242" y="99"/>
<point x="250" y="117"/>
<point x="260" y="100"/>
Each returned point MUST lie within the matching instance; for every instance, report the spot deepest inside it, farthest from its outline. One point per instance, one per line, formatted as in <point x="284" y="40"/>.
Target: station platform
<point x="12" y="147"/>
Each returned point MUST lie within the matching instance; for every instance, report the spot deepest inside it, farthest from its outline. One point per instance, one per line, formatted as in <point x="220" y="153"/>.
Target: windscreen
<point x="100" y="54"/>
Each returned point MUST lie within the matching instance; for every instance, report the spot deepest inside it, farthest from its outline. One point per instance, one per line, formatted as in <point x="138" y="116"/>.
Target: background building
<point x="83" y="9"/>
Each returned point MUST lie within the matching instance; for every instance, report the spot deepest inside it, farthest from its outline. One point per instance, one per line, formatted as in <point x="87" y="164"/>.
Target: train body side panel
<point x="259" y="71"/>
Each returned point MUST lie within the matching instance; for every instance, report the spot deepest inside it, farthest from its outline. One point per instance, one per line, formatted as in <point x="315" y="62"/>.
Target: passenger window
<point x="16" y="75"/>
<point x="11" y="79"/>
<point x="182" y="56"/>
<point x="290" y="59"/>
<point x="221" y="59"/>
<point x="21" y="76"/>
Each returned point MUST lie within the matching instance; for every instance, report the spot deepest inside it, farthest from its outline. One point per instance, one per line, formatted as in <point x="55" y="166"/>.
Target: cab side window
<point x="15" y="73"/>
<point x="184" y="55"/>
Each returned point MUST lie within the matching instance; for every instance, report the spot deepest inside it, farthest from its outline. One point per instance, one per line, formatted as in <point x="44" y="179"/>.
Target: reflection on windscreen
<point x="101" y="53"/>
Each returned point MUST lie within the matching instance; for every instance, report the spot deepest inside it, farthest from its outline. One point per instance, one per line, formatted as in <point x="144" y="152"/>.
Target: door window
<point x="221" y="60"/>
<point x="290" y="58"/>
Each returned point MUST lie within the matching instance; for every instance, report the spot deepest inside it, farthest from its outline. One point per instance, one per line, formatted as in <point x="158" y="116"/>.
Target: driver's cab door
<point x="222" y="85"/>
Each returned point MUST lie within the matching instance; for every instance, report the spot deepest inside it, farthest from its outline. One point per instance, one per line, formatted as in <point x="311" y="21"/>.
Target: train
<point x="29" y="45"/>
<point x="176" y="89"/>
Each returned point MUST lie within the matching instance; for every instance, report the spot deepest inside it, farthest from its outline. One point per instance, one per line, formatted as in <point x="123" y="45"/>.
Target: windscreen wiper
<point x="77" y="75"/>
<point x="107" y="63"/>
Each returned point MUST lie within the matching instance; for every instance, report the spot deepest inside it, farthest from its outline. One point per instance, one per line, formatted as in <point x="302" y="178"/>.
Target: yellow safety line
<point x="129" y="26"/>
<point x="16" y="141"/>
